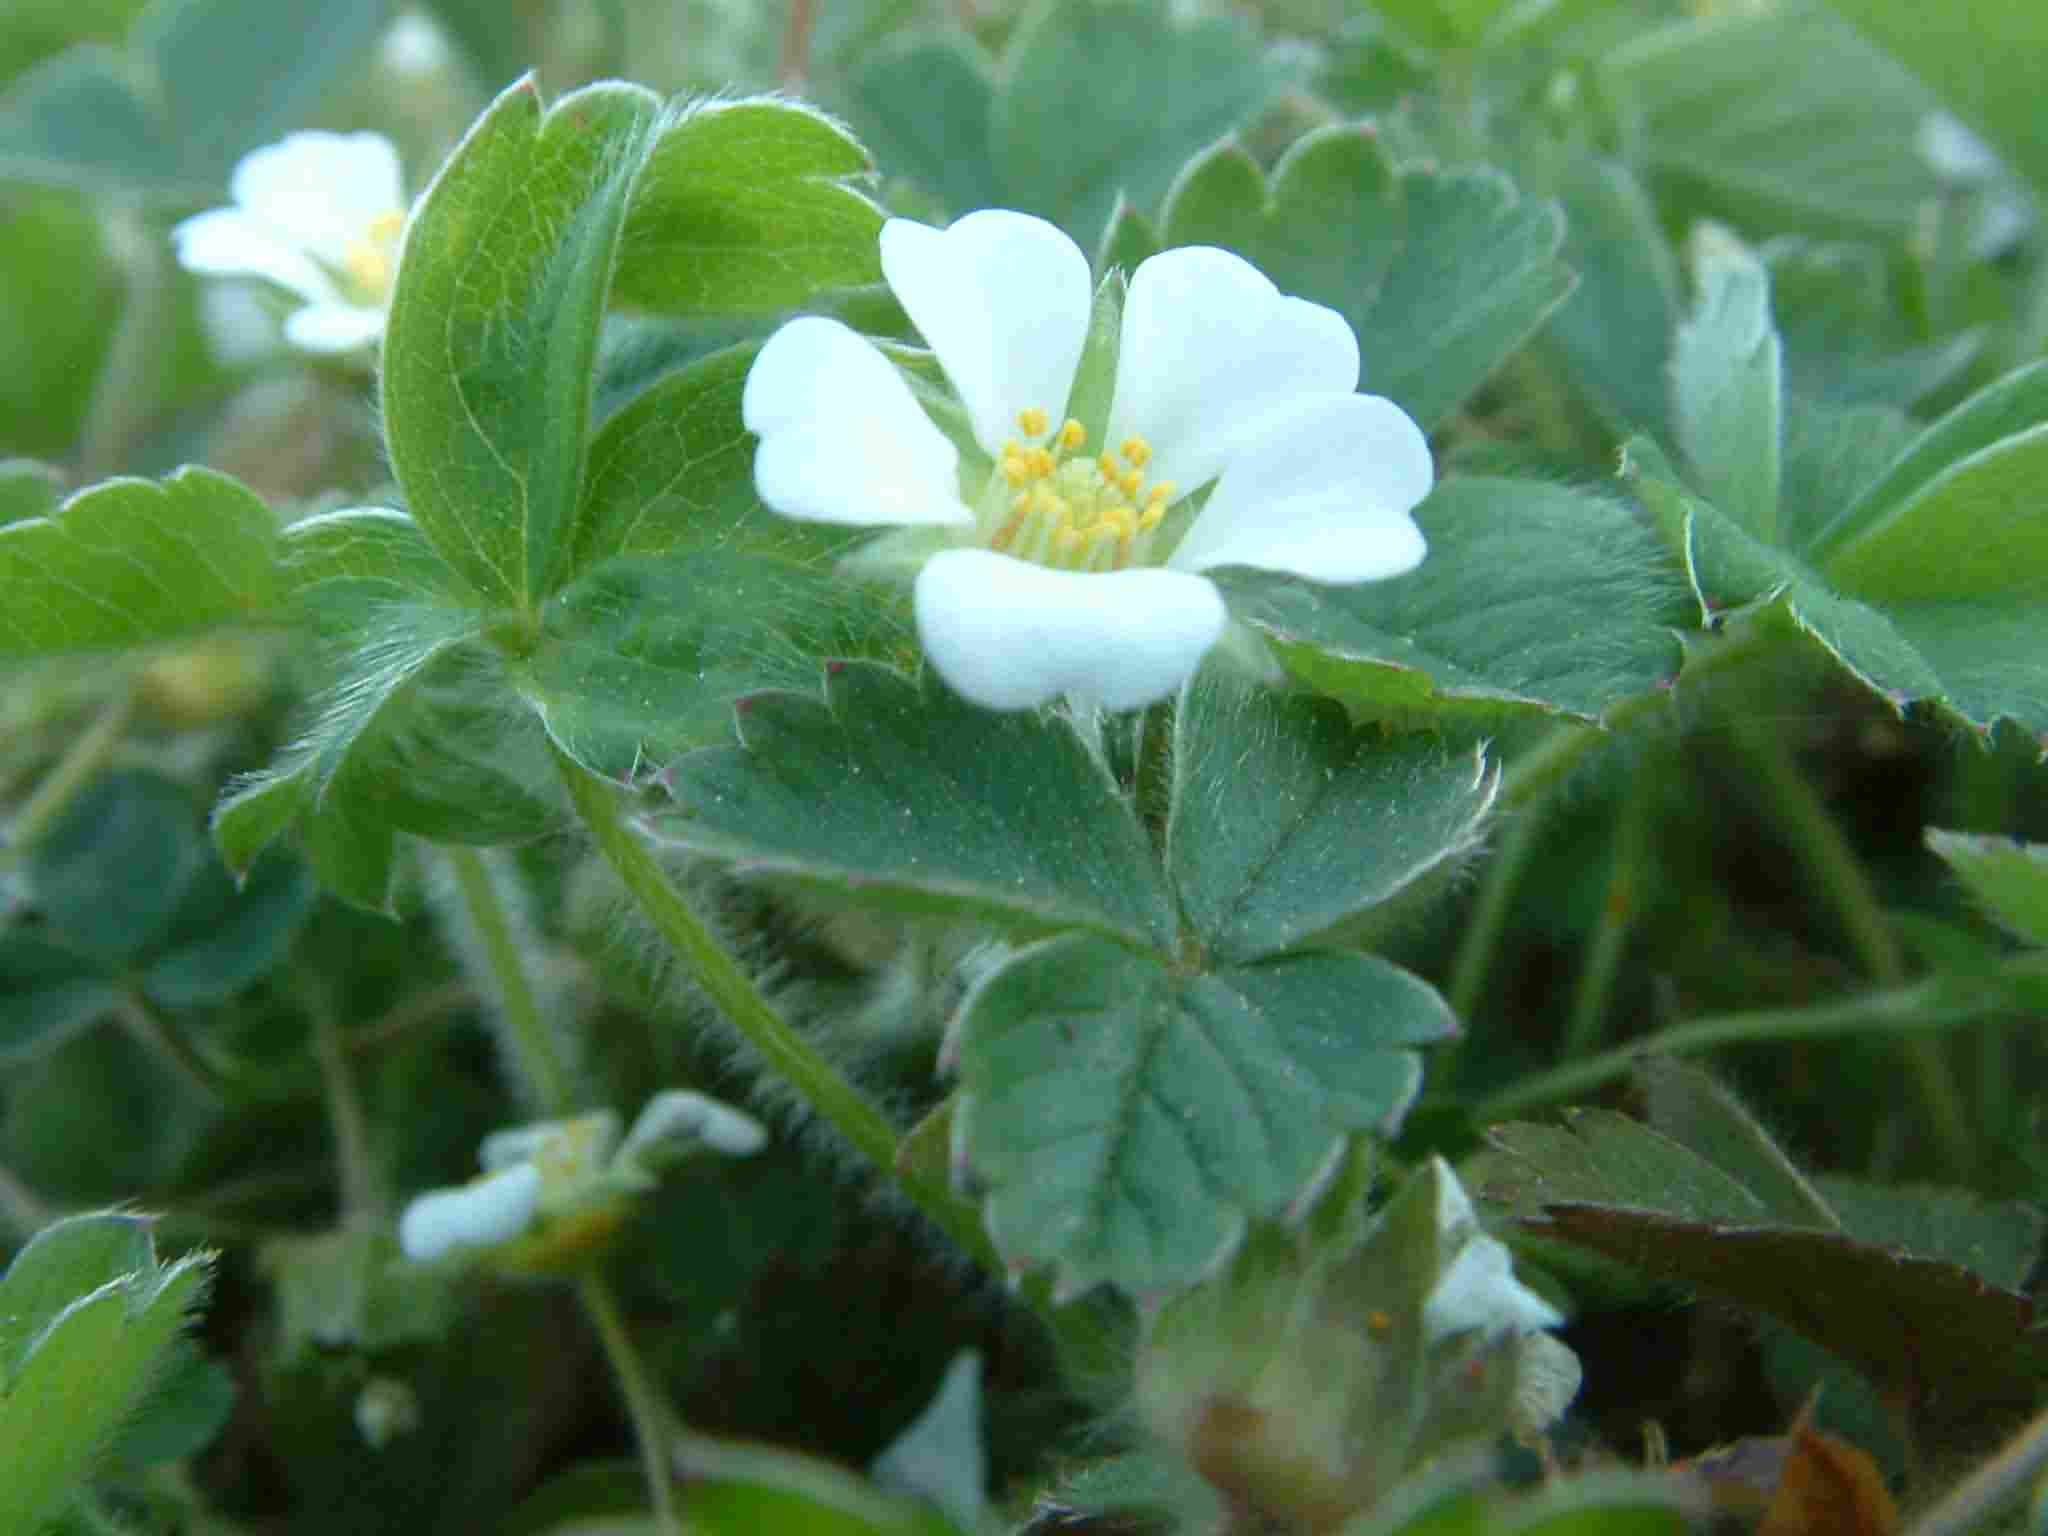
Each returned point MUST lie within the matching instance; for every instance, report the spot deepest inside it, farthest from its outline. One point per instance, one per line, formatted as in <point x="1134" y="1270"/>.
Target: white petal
<point x="1323" y="490"/>
<point x="1003" y="299"/>
<point x="682" y="1117"/>
<point x="575" y="1146"/>
<point x="1006" y="634"/>
<point x="321" y="190"/>
<point x="1479" y="1292"/>
<point x="842" y="438"/>
<point x="1209" y="346"/>
<point x="226" y="242"/>
<point x="494" y="1209"/>
<point x="333" y="327"/>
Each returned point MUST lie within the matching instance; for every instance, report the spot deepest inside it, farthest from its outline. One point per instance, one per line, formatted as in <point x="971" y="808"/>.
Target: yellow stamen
<point x="1072" y="434"/>
<point x="1015" y="470"/>
<point x="1152" y="516"/>
<point x="1107" y="466"/>
<point x="1033" y="421"/>
<point x="1129" y="481"/>
<point x="1160" y="493"/>
<point x="1136" y="451"/>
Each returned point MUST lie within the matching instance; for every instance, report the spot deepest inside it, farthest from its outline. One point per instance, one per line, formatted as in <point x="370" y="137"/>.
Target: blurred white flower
<point x="2001" y="214"/>
<point x="1478" y="1291"/>
<point x="555" y="1171"/>
<point x="319" y="214"/>
<point x="1052" y="570"/>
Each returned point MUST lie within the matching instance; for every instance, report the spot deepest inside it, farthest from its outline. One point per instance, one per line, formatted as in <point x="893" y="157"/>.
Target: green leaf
<point x="1775" y="120"/>
<point x="110" y="876"/>
<point x="738" y="1489"/>
<point x="923" y="107"/>
<point x="1100" y="97"/>
<point x="225" y="938"/>
<point x="1979" y="61"/>
<point x="492" y="340"/>
<point x="132" y="562"/>
<point x="84" y="1373"/>
<point x="1441" y="24"/>
<point x="1343" y="819"/>
<point x="61" y="300"/>
<point x="909" y="796"/>
<point x="28" y="489"/>
<point x="1534" y="600"/>
<point x="47" y="995"/>
<point x="1626" y="1192"/>
<point x="1847" y="337"/>
<point x="65" y="1260"/>
<point x="745" y="206"/>
<point x="1726" y="386"/>
<point x="154" y="121"/>
<point x="642" y="656"/>
<point x="1694" y="1109"/>
<point x="1614" y="331"/>
<point x="2009" y="879"/>
<point x="1129" y="1117"/>
<point x="1997" y="1239"/>
<point x="185" y="1409"/>
<point x="674" y="469"/>
<point x="1441" y="274"/>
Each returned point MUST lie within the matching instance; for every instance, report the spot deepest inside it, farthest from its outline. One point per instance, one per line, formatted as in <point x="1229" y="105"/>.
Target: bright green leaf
<point x="65" y="1260"/>
<point x="2010" y="879"/>
<point x="745" y="206"/>
<point x="1344" y="818"/>
<point x="1534" y="599"/>
<point x="28" y="489"/>
<point x="1980" y="58"/>
<point x="1440" y="273"/>
<point x="1129" y="1118"/>
<point x="186" y="1407"/>
<point x="492" y="341"/>
<point x="1847" y="338"/>
<point x="909" y="795"/>
<point x="132" y="562"/>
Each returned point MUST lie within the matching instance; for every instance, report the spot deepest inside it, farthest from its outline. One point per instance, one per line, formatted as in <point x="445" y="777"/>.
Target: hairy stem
<point x="654" y="1423"/>
<point x="533" y="1047"/>
<point x="830" y="1095"/>
<point x="365" y="1202"/>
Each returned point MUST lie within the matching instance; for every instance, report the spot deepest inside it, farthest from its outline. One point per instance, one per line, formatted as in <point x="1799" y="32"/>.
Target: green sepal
<point x="2008" y="878"/>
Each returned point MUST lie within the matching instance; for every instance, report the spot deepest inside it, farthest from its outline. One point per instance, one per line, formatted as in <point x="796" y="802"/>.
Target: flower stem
<point x="1490" y="912"/>
<point x="364" y="1199"/>
<point x="533" y="1048"/>
<point x="149" y="1024"/>
<point x="75" y="769"/>
<point x="1618" y="911"/>
<point x="830" y="1095"/>
<point x="654" y="1422"/>
<point x="1925" y="1005"/>
<point x="1839" y="879"/>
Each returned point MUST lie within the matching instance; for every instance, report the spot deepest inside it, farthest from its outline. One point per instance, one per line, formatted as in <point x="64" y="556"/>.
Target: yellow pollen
<point x="1015" y="470"/>
<point x="370" y="260"/>
<point x="1160" y="494"/>
<point x="1033" y="421"/>
<point x="1072" y="434"/>
<point x="1152" y="516"/>
<point x="1108" y="468"/>
<point x="1129" y="481"/>
<point x="1136" y="451"/>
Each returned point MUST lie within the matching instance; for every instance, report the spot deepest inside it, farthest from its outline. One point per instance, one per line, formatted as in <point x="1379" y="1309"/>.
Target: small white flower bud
<point x="494" y="1209"/>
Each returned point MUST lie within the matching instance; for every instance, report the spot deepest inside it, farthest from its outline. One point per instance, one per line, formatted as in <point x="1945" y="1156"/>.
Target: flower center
<point x="369" y="261"/>
<point x="1060" y="508"/>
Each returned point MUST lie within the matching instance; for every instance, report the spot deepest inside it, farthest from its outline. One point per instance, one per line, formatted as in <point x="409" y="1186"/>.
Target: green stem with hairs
<point x="1839" y="879"/>
<point x="75" y="769"/>
<point x="830" y="1095"/>
<point x="1927" y="1005"/>
<point x="547" y="1078"/>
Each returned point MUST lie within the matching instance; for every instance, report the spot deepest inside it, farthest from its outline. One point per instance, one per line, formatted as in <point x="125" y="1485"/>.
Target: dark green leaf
<point x="1343" y="819"/>
<point x="224" y="939"/>
<point x="110" y="876"/>
<point x="187" y="1406"/>
<point x="1615" y="329"/>
<point x="923" y="108"/>
<point x="1997" y="1239"/>
<point x="47" y="994"/>
<point x="1440" y="273"/>
<point x="911" y="796"/>
<point x="1846" y="338"/>
<point x="155" y="121"/>
<point x="1607" y="1159"/>
<point x="1776" y="119"/>
<point x="492" y="341"/>
<point x="642" y="656"/>
<point x="1690" y="1106"/>
<point x="131" y="562"/>
<point x="2009" y="878"/>
<point x="1534" y="600"/>
<point x="745" y="206"/>
<point x="1100" y="97"/>
<point x="1726" y="386"/>
<point x="1129" y="1118"/>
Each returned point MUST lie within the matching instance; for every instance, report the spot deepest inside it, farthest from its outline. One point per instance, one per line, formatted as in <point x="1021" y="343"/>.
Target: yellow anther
<point x="1072" y="434"/>
<point x="1107" y="466"/>
<point x="1136" y="451"/>
<point x="1015" y="470"/>
<point x="1153" y="515"/>
<point x="1160" y="494"/>
<point x="1033" y="421"/>
<point x="1042" y="462"/>
<point x="1129" y="481"/>
<point x="385" y="227"/>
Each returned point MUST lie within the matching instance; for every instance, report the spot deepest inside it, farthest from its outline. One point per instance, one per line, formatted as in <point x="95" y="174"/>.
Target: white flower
<point x="494" y="1209"/>
<point x="319" y="214"/>
<point x="1057" y="572"/>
